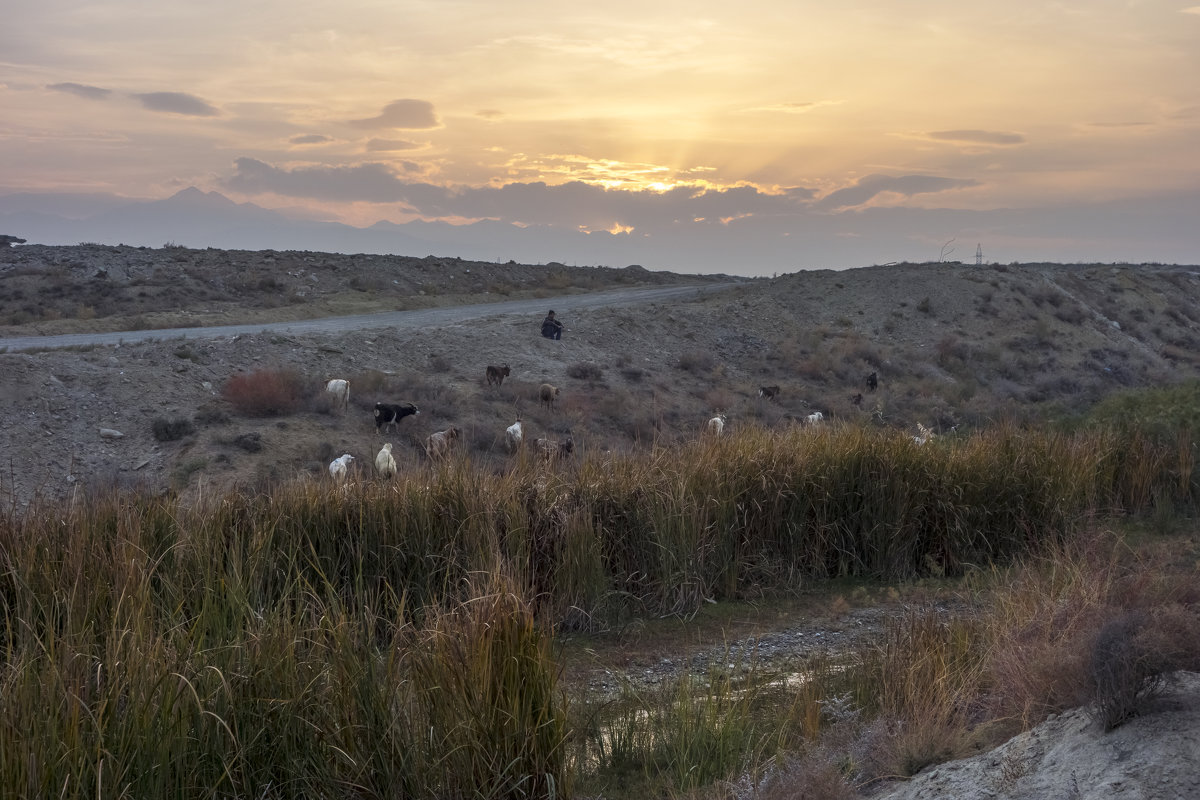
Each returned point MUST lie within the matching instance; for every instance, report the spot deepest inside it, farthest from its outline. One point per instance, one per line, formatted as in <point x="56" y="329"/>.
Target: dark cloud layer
<point x="176" y="103"/>
<point x="404" y="114"/>
<point x="908" y="185"/>
<point x="81" y="90"/>
<point x="371" y="183"/>
<point x="571" y="205"/>
<point x="310" y="138"/>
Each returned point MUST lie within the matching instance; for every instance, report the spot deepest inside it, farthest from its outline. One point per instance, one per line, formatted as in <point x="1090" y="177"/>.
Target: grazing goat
<point x="385" y="465"/>
<point x="769" y="392"/>
<point x="339" y="389"/>
<point x="548" y="394"/>
<point x="513" y="434"/>
<point x="872" y="381"/>
<point x="552" y="450"/>
<point x="857" y="399"/>
<point x="716" y="425"/>
<point x="392" y="413"/>
<point x="923" y="435"/>
<point x="815" y="418"/>
<point x="437" y="445"/>
<point x="339" y="468"/>
<point x="497" y="375"/>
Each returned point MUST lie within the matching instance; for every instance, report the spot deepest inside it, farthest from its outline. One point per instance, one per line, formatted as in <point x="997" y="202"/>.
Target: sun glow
<point x="611" y="174"/>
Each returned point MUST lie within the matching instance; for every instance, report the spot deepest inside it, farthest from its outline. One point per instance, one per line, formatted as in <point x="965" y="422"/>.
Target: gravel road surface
<point x="423" y="318"/>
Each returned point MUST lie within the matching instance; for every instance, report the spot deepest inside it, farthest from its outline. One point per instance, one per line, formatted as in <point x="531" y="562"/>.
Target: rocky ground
<point x="953" y="346"/>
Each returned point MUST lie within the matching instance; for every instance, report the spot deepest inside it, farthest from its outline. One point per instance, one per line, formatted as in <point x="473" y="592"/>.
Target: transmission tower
<point x="979" y="255"/>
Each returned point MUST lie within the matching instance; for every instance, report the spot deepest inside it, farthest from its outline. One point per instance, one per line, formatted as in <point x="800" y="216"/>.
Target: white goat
<point x="339" y="468"/>
<point x="716" y="425"/>
<point x="513" y="434"/>
<point x="385" y="465"/>
<point x="815" y="418"/>
<point x="923" y="434"/>
<point x="340" y="390"/>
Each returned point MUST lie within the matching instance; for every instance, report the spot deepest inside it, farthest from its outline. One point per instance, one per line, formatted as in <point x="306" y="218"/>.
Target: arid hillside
<point x="952" y="346"/>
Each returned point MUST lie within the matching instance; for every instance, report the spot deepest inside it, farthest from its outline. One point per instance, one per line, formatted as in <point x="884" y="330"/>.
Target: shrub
<point x="265" y="393"/>
<point x="211" y="414"/>
<point x="1123" y="676"/>
<point x="696" y="361"/>
<point x="251" y="442"/>
<point x="585" y="371"/>
<point x="1132" y="656"/>
<point x="172" y="430"/>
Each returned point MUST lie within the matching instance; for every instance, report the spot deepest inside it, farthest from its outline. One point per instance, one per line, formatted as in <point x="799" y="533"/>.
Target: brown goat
<point x="552" y="450"/>
<point x="548" y="394"/>
<point x="437" y="445"/>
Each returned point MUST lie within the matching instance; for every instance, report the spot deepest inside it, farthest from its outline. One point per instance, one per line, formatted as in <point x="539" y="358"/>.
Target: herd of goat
<point x="439" y="444"/>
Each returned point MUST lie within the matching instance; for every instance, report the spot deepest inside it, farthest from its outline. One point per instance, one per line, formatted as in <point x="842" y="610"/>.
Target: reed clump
<point x="393" y="639"/>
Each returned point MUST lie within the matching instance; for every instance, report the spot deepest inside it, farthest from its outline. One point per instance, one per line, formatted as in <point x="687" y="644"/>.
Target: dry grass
<point x="395" y="637"/>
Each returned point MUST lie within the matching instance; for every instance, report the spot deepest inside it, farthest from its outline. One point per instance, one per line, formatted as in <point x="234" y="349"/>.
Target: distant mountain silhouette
<point x="195" y="218"/>
<point x="1133" y="231"/>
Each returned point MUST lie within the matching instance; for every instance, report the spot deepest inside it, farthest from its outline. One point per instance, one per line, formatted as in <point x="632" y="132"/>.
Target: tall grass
<point x="393" y="639"/>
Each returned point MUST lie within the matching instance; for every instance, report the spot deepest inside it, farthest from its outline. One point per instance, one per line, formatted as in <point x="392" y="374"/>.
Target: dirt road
<point x="424" y="318"/>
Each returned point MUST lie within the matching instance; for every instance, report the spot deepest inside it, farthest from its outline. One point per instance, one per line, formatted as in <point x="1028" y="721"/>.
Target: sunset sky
<point x="824" y="122"/>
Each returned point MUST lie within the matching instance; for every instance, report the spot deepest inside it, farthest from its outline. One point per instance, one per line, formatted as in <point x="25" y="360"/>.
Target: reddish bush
<point x="265" y="393"/>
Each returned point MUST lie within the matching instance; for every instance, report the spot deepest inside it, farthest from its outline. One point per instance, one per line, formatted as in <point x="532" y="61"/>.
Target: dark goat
<point x="769" y="392"/>
<point x="392" y="413"/>
<point x="872" y="381"/>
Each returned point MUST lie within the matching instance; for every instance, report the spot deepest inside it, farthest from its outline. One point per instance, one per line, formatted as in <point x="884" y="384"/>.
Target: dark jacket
<point x="551" y="326"/>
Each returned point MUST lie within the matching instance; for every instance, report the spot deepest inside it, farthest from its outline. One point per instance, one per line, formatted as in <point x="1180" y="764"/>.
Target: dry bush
<point x="633" y="374"/>
<point x="815" y="367"/>
<point x="696" y="361"/>
<point x="578" y="408"/>
<point x="1132" y="655"/>
<point x="719" y="399"/>
<point x="641" y="425"/>
<point x="1046" y="295"/>
<point x="265" y="393"/>
<point x="817" y="776"/>
<point x="212" y="414"/>
<point x="1123" y="676"/>
<point x="919" y="742"/>
<point x="951" y="349"/>
<point x="616" y="404"/>
<point x="1071" y="594"/>
<point x="585" y="371"/>
<point x="856" y="347"/>
<point x="1072" y="314"/>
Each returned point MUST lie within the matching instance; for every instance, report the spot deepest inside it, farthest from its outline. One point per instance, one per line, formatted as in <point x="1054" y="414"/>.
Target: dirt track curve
<point x="423" y="318"/>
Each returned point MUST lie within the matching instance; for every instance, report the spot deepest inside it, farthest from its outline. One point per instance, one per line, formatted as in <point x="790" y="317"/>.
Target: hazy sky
<point x="630" y="117"/>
